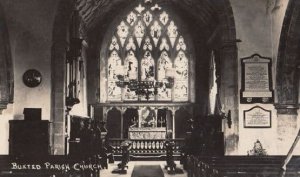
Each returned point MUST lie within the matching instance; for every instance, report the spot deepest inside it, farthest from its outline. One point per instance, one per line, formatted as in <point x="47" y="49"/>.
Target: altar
<point x="147" y="133"/>
<point x="145" y="121"/>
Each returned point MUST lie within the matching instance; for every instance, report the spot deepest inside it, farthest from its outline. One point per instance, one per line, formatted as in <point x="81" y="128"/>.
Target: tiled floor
<point x="107" y="172"/>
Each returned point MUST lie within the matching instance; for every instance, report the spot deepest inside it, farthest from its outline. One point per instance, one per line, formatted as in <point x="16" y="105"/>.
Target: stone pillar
<point x="229" y="96"/>
<point x="104" y="114"/>
<point x="58" y="114"/>
<point x="173" y="122"/>
<point x="173" y="128"/>
<point x="122" y="121"/>
<point x="140" y="116"/>
<point x="287" y="109"/>
<point x="58" y="65"/>
<point x="156" y="116"/>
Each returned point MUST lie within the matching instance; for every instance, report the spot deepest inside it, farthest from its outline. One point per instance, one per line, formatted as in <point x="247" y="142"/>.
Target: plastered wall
<point x="258" y="26"/>
<point x="30" y="31"/>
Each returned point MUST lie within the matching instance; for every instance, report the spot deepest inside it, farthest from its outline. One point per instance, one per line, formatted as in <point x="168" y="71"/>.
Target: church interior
<point x="149" y="88"/>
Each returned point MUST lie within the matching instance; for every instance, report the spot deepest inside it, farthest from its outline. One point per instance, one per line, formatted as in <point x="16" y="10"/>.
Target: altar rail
<point x="147" y="146"/>
<point x="241" y="166"/>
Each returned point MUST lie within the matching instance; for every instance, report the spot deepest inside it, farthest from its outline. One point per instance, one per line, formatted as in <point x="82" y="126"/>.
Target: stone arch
<point x="217" y="21"/>
<point x="288" y="62"/>
<point x="6" y="66"/>
<point x="217" y="26"/>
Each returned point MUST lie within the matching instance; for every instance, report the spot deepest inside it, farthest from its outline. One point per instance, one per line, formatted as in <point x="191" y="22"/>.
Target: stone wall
<point x="258" y="25"/>
<point x="30" y="30"/>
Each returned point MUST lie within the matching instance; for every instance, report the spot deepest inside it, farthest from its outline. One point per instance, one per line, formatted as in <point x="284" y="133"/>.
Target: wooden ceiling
<point x="204" y="11"/>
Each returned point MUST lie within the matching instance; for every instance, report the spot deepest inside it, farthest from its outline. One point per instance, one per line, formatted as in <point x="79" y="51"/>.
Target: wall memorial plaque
<point x="256" y="80"/>
<point x="257" y="117"/>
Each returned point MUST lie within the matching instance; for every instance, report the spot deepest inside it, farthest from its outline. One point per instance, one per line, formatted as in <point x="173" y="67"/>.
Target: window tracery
<point x="139" y="31"/>
<point x="164" y="18"/>
<point x="114" y="44"/>
<point x="172" y="32"/>
<point x="122" y="32"/>
<point x="131" y="18"/>
<point x="148" y="46"/>
<point x="148" y="18"/>
<point x="155" y="32"/>
<point x="130" y="45"/>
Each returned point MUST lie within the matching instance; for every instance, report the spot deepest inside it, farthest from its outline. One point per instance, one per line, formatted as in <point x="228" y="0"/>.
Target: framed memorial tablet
<point x="256" y="80"/>
<point x="257" y="117"/>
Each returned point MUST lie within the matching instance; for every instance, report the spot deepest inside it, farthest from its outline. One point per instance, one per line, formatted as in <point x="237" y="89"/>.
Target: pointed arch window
<point x="147" y="45"/>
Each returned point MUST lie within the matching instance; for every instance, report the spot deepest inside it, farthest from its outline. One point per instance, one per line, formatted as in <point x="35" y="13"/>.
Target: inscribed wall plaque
<point x="257" y="117"/>
<point x="256" y="80"/>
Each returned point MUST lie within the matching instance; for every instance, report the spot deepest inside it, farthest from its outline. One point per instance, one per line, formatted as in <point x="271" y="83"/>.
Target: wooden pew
<point x="235" y="166"/>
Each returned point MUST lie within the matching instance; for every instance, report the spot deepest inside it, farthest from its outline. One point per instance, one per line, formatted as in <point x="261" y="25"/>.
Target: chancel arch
<point x="137" y="44"/>
<point x="196" y="36"/>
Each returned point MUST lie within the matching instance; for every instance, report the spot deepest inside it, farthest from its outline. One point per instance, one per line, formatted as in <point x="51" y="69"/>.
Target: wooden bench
<point x="235" y="166"/>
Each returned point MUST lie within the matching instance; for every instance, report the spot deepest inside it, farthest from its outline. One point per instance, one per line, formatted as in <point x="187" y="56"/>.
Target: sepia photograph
<point x="149" y="88"/>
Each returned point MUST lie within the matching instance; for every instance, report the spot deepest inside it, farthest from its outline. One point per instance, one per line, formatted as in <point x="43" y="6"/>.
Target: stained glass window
<point x="164" y="63"/>
<point x="147" y="45"/>
<point x="131" y="73"/>
<point x="181" y="77"/>
<point x="114" y="69"/>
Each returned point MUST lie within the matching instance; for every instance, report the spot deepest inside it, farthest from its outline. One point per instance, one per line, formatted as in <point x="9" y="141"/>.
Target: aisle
<point x="147" y="171"/>
<point x="132" y="164"/>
